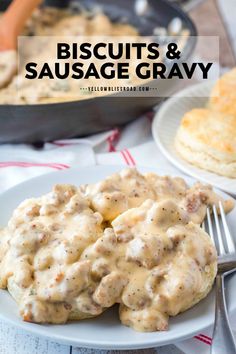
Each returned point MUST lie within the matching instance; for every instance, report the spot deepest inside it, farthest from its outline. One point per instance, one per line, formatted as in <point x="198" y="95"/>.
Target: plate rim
<point x="42" y="330"/>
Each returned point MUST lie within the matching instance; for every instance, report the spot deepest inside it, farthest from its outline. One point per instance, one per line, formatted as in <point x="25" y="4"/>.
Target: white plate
<point x="166" y="123"/>
<point x="105" y="332"/>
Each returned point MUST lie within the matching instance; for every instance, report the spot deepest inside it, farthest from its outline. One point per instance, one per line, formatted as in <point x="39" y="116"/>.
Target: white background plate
<point x="166" y="123"/>
<point x="105" y="332"/>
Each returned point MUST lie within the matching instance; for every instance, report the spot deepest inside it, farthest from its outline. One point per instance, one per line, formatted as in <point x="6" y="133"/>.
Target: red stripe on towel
<point x="125" y="157"/>
<point x="130" y="157"/>
<point x="61" y="144"/>
<point x="203" y="340"/>
<point x="206" y="337"/>
<point x="150" y="116"/>
<point x="32" y="164"/>
<point x="113" y="138"/>
<point x="111" y="147"/>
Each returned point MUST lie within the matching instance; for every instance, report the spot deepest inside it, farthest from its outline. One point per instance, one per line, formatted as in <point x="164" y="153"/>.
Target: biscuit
<point x="207" y="139"/>
<point x="223" y="95"/>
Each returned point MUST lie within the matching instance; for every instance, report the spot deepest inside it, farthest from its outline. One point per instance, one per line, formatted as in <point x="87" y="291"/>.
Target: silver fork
<point x="216" y="225"/>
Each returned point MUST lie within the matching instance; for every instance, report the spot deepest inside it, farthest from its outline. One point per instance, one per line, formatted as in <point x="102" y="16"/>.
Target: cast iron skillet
<point x="46" y="122"/>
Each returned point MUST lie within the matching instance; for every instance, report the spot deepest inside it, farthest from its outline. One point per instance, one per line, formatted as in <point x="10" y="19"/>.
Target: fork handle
<point x="223" y="340"/>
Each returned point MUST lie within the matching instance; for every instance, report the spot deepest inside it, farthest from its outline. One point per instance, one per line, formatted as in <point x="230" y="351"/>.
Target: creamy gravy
<point x="129" y="188"/>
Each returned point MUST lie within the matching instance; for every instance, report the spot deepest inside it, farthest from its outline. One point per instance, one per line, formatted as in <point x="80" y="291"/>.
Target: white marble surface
<point x="17" y="341"/>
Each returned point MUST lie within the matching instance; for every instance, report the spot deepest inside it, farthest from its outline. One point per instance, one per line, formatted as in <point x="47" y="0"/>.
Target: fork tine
<point x="218" y="231"/>
<point x="210" y="228"/>
<point x="203" y="225"/>
<point x="228" y="237"/>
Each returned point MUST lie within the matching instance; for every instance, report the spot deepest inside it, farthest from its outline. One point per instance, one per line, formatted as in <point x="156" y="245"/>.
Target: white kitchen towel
<point x="131" y="146"/>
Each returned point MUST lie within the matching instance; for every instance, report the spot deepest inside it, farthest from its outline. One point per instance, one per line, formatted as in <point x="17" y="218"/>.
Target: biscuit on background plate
<point x="223" y="95"/>
<point x="207" y="139"/>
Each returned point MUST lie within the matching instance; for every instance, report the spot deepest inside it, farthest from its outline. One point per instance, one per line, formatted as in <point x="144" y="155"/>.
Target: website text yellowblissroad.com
<point x="116" y="89"/>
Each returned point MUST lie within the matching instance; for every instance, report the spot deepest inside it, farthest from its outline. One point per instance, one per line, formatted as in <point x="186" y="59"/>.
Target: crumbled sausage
<point x="109" y="290"/>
